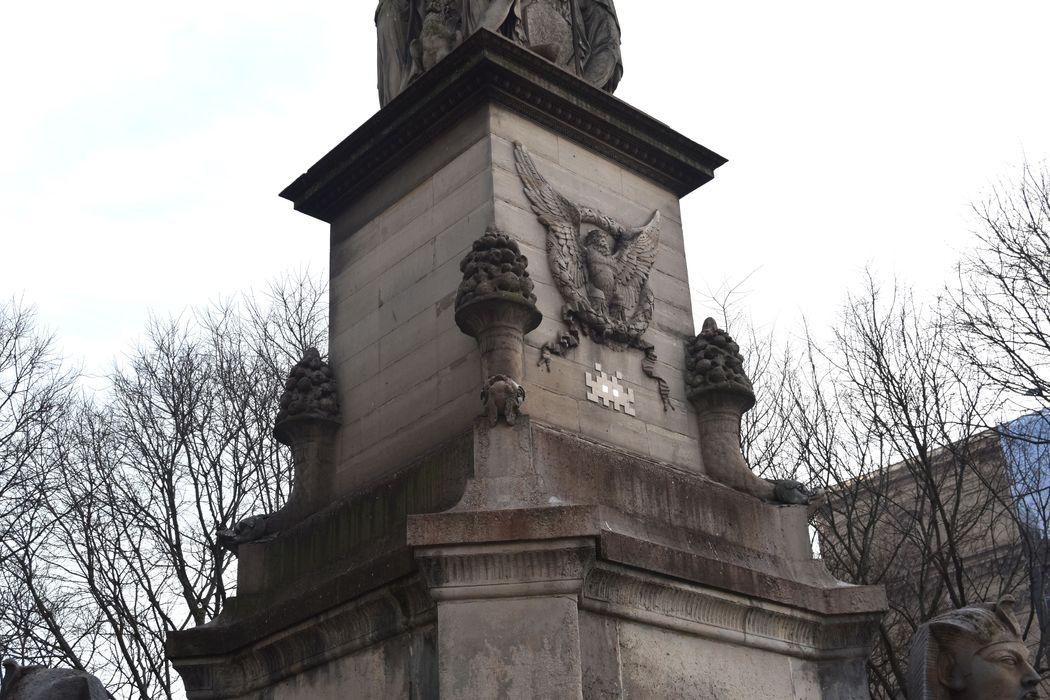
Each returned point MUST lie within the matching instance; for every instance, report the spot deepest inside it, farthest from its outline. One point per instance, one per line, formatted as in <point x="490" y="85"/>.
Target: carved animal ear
<point x="11" y="673"/>
<point x="521" y="392"/>
<point x="948" y="672"/>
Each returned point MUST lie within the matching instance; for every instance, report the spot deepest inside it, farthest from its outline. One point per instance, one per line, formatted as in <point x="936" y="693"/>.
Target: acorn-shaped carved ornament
<point x="309" y="393"/>
<point x="713" y="363"/>
<point x="494" y="269"/>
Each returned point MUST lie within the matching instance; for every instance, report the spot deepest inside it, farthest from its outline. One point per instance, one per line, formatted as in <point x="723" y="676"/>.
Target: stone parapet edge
<point x="364" y="621"/>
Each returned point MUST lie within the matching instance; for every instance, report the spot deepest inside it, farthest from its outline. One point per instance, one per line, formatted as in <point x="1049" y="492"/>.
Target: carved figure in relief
<point x="580" y="36"/>
<point x="502" y="397"/>
<point x="598" y="33"/>
<point x="398" y="23"/>
<point x="500" y="16"/>
<point x="603" y="275"/>
<point x="438" y="36"/>
<point x="973" y="653"/>
<point x="601" y="269"/>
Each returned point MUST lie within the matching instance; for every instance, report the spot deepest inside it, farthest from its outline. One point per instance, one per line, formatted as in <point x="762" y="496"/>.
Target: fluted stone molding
<point x="664" y="602"/>
<point x="510" y="570"/>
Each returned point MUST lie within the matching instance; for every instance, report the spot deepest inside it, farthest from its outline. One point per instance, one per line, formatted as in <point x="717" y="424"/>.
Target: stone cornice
<point x="716" y="564"/>
<point x="506" y="570"/>
<point x="236" y="630"/>
<point x="631" y="594"/>
<point x="365" y="621"/>
<point x="489" y="68"/>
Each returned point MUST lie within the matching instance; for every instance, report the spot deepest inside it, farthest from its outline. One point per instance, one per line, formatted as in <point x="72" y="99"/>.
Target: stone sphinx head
<point x="973" y="653"/>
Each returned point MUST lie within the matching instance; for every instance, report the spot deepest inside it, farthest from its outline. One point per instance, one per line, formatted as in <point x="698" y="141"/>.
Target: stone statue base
<point x="587" y="550"/>
<point x="573" y="570"/>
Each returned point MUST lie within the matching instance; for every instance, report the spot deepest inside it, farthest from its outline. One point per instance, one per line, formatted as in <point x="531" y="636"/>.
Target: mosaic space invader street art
<point x="607" y="391"/>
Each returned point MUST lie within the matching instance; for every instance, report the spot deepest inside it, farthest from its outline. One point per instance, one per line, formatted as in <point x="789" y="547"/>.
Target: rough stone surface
<point x="487" y="652"/>
<point x="40" y="683"/>
<point x="565" y="522"/>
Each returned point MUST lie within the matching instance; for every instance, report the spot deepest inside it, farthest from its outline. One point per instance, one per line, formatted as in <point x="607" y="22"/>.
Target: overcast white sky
<point x="143" y="144"/>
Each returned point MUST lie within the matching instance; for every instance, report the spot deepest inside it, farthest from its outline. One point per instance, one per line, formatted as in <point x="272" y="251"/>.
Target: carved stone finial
<point x="502" y="397"/>
<point x="309" y="393"/>
<point x="496" y="306"/>
<point x="602" y="276"/>
<point x="307" y="422"/>
<point x="495" y="267"/>
<point x="721" y="392"/>
<point x="713" y="363"/>
<point x="972" y="653"/>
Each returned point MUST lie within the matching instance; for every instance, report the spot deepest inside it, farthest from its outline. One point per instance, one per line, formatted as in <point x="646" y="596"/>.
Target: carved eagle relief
<point x="601" y="267"/>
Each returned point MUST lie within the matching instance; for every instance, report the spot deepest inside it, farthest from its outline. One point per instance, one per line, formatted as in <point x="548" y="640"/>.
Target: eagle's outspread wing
<point x="637" y="254"/>
<point x="562" y="220"/>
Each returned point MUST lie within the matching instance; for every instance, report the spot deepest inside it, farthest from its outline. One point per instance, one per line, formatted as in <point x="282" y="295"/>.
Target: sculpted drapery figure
<point x="396" y="22"/>
<point x="973" y="653"/>
<point x="580" y="36"/>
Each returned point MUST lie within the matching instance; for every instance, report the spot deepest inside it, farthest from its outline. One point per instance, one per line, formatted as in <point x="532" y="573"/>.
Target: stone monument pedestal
<point x="582" y="552"/>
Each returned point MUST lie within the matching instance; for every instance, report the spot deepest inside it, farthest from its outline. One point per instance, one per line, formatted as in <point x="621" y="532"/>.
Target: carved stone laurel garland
<point x="601" y="269"/>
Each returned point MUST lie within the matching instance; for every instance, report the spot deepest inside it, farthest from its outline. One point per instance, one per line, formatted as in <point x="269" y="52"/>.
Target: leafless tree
<point x="35" y="389"/>
<point x="887" y="417"/>
<point x="123" y="548"/>
<point x="1002" y="299"/>
<point x="1001" y="312"/>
